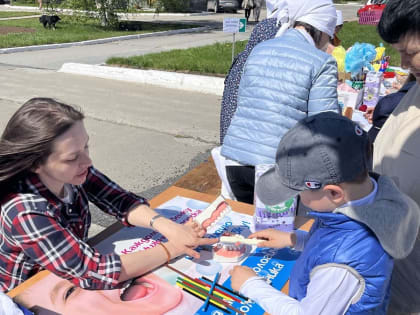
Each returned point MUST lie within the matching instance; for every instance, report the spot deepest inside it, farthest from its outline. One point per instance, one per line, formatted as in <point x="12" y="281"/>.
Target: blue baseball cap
<point x="319" y="150"/>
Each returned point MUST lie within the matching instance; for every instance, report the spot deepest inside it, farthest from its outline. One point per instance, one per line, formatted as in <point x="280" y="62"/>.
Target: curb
<point x="20" y="8"/>
<point x="166" y="14"/>
<point x="174" y="80"/>
<point x="20" y="17"/>
<point x="102" y="40"/>
<point x="203" y="13"/>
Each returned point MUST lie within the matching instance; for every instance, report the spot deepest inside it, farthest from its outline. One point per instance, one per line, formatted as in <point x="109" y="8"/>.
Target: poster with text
<point x="166" y="291"/>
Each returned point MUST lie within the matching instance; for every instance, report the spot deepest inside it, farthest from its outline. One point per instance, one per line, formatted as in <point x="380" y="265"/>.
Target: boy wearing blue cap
<point x="362" y="222"/>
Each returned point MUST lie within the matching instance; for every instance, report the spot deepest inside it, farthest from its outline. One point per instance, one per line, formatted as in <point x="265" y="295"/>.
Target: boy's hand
<point x="275" y="238"/>
<point x="239" y="275"/>
<point x="369" y="114"/>
<point x="191" y="224"/>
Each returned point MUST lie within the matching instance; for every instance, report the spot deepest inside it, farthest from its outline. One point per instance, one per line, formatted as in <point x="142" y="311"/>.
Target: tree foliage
<point x="104" y="10"/>
<point x="173" y="5"/>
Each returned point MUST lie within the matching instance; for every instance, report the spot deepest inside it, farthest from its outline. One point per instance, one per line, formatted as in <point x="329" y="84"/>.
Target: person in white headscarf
<point x="319" y="14"/>
<point x="339" y="19"/>
<point x="339" y="25"/>
<point x="285" y="79"/>
<point x="335" y="41"/>
<point x="264" y="30"/>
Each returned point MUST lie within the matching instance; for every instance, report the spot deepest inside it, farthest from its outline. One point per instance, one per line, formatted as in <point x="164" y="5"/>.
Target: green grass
<point x="212" y="59"/>
<point x="27" y="3"/>
<point x="216" y="59"/>
<point x="68" y="30"/>
<point x="7" y="14"/>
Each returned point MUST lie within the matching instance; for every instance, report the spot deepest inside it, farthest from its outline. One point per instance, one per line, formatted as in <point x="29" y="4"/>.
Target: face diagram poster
<point x="175" y="290"/>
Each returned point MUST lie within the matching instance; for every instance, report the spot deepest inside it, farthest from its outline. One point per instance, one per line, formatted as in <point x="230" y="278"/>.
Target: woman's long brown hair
<point x="27" y="140"/>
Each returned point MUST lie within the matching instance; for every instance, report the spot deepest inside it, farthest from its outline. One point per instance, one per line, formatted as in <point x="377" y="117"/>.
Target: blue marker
<point x="206" y="303"/>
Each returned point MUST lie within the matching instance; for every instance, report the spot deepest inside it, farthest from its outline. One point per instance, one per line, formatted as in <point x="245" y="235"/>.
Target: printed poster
<point x="165" y="291"/>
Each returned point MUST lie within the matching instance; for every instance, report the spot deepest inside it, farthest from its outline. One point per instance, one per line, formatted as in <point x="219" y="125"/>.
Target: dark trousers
<point x="247" y="14"/>
<point x="242" y="180"/>
<point x="242" y="183"/>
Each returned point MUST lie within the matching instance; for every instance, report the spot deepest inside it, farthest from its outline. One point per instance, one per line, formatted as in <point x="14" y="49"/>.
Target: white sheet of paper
<point x="361" y="120"/>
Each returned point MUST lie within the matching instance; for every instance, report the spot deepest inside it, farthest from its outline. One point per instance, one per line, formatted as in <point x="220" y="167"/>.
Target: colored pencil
<point x="178" y="271"/>
<point x="204" y="296"/>
<point x="203" y="283"/>
<point x="205" y="293"/>
<point x="203" y="299"/>
<point x="206" y="303"/>
<point x="227" y="289"/>
<point x="206" y="288"/>
<point x="218" y="293"/>
<point x="217" y="289"/>
<point x="216" y="299"/>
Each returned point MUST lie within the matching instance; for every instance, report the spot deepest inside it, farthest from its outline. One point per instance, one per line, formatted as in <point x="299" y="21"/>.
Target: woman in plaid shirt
<point x="46" y="182"/>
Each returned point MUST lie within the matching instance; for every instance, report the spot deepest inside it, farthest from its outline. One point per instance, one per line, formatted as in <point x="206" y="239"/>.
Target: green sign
<point x="242" y="25"/>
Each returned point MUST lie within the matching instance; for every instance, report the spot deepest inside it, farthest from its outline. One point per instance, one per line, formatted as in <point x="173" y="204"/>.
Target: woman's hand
<point x="239" y="275"/>
<point x="274" y="238"/>
<point x="184" y="237"/>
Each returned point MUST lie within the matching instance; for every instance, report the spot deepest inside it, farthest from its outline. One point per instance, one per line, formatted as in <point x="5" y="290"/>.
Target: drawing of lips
<point x="216" y="213"/>
<point x="139" y="289"/>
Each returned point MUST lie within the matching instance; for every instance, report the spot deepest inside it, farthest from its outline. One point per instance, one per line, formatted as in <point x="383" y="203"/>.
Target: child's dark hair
<point x="364" y="173"/>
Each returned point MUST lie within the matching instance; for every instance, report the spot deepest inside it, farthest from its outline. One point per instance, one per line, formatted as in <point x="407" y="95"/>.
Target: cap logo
<point x="312" y="184"/>
<point x="358" y="130"/>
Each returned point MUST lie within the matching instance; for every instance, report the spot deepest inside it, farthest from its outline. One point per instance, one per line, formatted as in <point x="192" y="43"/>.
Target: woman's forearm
<point x="141" y="215"/>
<point x="138" y="263"/>
<point x="182" y="237"/>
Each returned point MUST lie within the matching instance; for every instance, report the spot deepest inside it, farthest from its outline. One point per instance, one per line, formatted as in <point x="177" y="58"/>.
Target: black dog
<point x="49" y="20"/>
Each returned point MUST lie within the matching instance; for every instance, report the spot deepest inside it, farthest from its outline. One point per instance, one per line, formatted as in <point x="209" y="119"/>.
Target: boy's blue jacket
<point x="363" y="240"/>
<point x="337" y="239"/>
<point x="285" y="79"/>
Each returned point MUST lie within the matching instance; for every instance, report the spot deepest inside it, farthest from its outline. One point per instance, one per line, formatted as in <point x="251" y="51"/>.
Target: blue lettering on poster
<point x="273" y="265"/>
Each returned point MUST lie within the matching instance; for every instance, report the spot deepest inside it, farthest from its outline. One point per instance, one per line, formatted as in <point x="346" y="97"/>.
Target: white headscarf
<point x="274" y="7"/>
<point x="339" y="18"/>
<point x="321" y="14"/>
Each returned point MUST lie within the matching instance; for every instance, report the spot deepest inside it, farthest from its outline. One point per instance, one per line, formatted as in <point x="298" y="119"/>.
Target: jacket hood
<point x="393" y="217"/>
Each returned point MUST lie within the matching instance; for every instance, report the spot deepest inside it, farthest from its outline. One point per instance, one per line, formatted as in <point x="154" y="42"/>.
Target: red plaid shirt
<point x="39" y="231"/>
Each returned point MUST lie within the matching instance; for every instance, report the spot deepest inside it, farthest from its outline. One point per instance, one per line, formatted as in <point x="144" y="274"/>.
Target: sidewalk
<point x="188" y="82"/>
<point x="100" y="40"/>
<point x="81" y="61"/>
<point x="8" y="7"/>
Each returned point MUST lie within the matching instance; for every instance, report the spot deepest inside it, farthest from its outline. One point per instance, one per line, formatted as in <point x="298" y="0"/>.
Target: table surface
<point x="300" y="223"/>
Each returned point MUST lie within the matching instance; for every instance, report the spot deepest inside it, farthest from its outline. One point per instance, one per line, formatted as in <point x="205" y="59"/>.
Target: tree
<point x="103" y="10"/>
